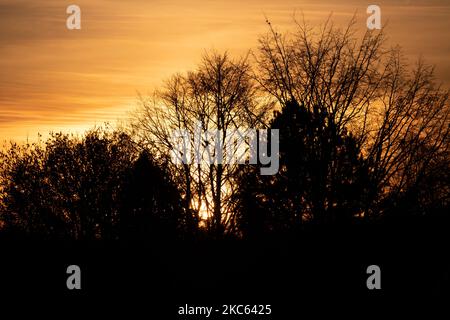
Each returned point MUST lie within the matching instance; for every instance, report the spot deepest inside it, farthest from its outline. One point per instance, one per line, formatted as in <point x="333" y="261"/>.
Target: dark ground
<point x="323" y="271"/>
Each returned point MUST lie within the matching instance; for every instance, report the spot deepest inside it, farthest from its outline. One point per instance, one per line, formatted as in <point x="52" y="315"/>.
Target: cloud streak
<point x="55" y="79"/>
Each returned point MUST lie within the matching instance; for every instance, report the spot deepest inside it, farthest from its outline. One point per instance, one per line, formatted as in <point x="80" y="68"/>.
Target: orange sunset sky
<point x="55" y="79"/>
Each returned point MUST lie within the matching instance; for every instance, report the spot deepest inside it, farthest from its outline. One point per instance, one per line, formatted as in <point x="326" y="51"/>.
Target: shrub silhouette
<point x="96" y="187"/>
<point x="151" y="205"/>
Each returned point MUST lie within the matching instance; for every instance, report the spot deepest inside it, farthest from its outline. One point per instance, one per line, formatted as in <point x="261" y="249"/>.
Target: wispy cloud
<point x="52" y="78"/>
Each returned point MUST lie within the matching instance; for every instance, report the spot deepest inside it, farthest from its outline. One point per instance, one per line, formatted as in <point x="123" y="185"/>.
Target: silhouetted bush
<point x="94" y="187"/>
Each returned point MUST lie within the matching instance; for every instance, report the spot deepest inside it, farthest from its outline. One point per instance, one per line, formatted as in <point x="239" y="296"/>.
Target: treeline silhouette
<point x="95" y="187"/>
<point x="363" y="138"/>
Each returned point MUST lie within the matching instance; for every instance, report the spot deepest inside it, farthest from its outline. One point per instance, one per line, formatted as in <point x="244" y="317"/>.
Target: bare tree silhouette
<point x="397" y="114"/>
<point x="220" y="95"/>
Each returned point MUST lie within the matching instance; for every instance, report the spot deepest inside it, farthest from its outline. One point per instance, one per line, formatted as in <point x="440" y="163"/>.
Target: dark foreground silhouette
<point x="322" y="271"/>
<point x="113" y="210"/>
<point x="363" y="180"/>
